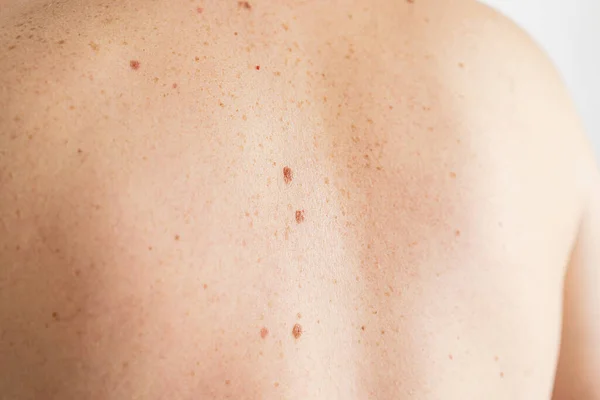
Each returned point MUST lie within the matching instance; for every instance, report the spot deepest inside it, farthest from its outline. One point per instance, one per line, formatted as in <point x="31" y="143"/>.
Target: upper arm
<point x="579" y="363"/>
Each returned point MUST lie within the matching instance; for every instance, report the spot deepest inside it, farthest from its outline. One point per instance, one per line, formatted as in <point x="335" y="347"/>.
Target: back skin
<point x="342" y="199"/>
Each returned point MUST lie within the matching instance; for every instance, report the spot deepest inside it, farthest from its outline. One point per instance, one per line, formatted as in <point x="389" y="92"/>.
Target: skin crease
<point x="150" y="235"/>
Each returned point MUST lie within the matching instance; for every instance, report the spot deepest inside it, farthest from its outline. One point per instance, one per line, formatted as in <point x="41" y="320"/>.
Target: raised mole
<point x="134" y="64"/>
<point x="297" y="331"/>
<point x="287" y="175"/>
<point x="299" y="216"/>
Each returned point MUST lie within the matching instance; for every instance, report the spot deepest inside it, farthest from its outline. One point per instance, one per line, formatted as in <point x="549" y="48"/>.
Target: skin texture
<point x="154" y="245"/>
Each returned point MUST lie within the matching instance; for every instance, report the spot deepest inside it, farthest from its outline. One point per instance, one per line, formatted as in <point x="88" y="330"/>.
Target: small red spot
<point x="174" y="86"/>
<point x="244" y="4"/>
<point x="199" y="10"/>
<point x="450" y="356"/>
<point x="287" y="175"/>
<point x="134" y="64"/>
<point x="258" y="67"/>
<point x="297" y="331"/>
<point x="264" y="332"/>
<point x="299" y="216"/>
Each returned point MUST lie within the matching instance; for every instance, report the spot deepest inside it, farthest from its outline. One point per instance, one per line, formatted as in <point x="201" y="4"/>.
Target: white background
<point x="569" y="31"/>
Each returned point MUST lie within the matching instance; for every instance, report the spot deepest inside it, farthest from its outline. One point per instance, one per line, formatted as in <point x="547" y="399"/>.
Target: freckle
<point x="244" y="4"/>
<point x="299" y="216"/>
<point x="177" y="237"/>
<point x="134" y="64"/>
<point x="461" y="65"/>
<point x="12" y="47"/>
<point x="125" y="364"/>
<point x="496" y="358"/>
<point x="61" y="42"/>
<point x="287" y="175"/>
<point x="453" y="175"/>
<point x="450" y="356"/>
<point x="264" y="332"/>
<point x="227" y="382"/>
<point x="457" y="233"/>
<point x="327" y="181"/>
<point x="276" y="384"/>
<point x="55" y="316"/>
<point x="297" y="331"/>
<point x="174" y="86"/>
<point x="94" y="46"/>
<point x="79" y="151"/>
<point x="501" y="374"/>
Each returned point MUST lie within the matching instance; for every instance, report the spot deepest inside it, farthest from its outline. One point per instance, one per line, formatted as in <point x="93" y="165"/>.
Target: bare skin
<point x="290" y="200"/>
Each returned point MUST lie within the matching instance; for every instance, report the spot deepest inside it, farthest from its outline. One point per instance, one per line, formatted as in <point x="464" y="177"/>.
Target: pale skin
<point x="437" y="223"/>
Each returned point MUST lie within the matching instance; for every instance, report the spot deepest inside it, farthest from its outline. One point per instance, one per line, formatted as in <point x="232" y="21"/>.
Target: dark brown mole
<point x="134" y="64"/>
<point x="244" y="4"/>
<point x="297" y="331"/>
<point x="264" y="332"/>
<point x="299" y="216"/>
<point x="287" y="175"/>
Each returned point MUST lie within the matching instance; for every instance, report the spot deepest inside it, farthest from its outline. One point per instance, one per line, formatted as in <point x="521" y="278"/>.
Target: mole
<point x="258" y="67"/>
<point x="299" y="216"/>
<point x="244" y="4"/>
<point x="264" y="332"/>
<point x="287" y="175"/>
<point x="297" y="331"/>
<point x="134" y="64"/>
<point x="55" y="316"/>
<point x="174" y="86"/>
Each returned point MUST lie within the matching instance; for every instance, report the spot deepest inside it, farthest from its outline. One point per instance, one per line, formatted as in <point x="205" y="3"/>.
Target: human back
<point x="294" y="200"/>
